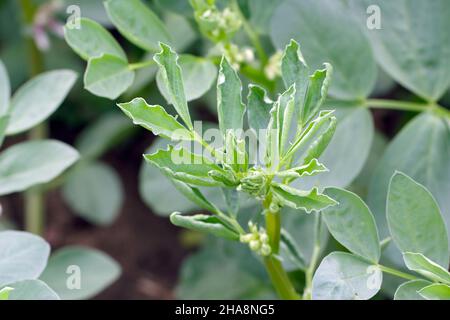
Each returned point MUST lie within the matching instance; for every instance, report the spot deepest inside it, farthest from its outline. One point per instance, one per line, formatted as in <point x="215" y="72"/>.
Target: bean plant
<point x="282" y="206"/>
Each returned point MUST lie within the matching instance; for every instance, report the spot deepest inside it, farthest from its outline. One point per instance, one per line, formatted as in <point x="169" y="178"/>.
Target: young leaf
<point x="295" y="71"/>
<point x="38" y="98"/>
<point x="91" y="40"/>
<point x="98" y="271"/>
<point x="204" y="223"/>
<point x="5" y="90"/>
<point x="22" y="256"/>
<point x="426" y="267"/>
<point x="171" y="75"/>
<point x="259" y="106"/>
<point x="316" y="93"/>
<point x="32" y="290"/>
<point x="284" y="115"/>
<point x="409" y="290"/>
<point x="5" y="292"/>
<point x="311" y="140"/>
<point x="29" y="163"/>
<point x="137" y="23"/>
<point x="108" y="76"/>
<point x="94" y="192"/>
<point x="352" y="224"/>
<point x="311" y="168"/>
<point x="182" y="165"/>
<point x="198" y="76"/>
<point x="344" y="276"/>
<point x="411" y="229"/>
<point x="230" y="108"/>
<point x="297" y="199"/>
<point x="155" y="119"/>
<point x="326" y="30"/>
<point x="436" y="292"/>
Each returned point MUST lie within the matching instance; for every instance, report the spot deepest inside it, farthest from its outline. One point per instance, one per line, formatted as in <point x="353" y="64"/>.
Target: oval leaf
<point x="32" y="290"/>
<point x="415" y="221"/>
<point x="23" y="256"/>
<point x="344" y="276"/>
<point x="409" y="290"/>
<point x="96" y="270"/>
<point x="37" y="99"/>
<point x="94" y="191"/>
<point x="352" y="224"/>
<point x="29" y="163"/>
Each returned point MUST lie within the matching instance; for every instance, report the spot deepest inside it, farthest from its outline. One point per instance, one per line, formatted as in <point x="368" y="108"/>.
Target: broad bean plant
<point x="278" y="200"/>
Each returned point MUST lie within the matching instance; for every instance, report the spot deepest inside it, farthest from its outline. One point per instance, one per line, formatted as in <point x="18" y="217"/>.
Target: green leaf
<point x="347" y="151"/>
<point x="91" y="40"/>
<point x="164" y="195"/>
<point x="5" y="90"/>
<point x="230" y="108"/>
<point x="181" y="7"/>
<point x="5" y="292"/>
<point x="436" y="292"/>
<point x="33" y="162"/>
<point x="22" y="256"/>
<point x="198" y="77"/>
<point x="316" y="93"/>
<point x="428" y="135"/>
<point x="182" y="32"/>
<point x="411" y="229"/>
<point x="3" y="125"/>
<point x="310" y="141"/>
<point x="94" y="192"/>
<point x="284" y="113"/>
<point x="260" y="12"/>
<point x="137" y="23"/>
<point x="223" y="270"/>
<point x="182" y="165"/>
<point x="32" y="290"/>
<point x="171" y="75"/>
<point x="38" y="98"/>
<point x="426" y="267"/>
<point x="413" y="47"/>
<point x="295" y="71"/>
<point x="259" y="106"/>
<point x="204" y="223"/>
<point x="298" y="199"/>
<point x="352" y="224"/>
<point x="108" y="131"/>
<point x="344" y="276"/>
<point x="326" y="31"/>
<point x="311" y="168"/>
<point x="291" y="249"/>
<point x="108" y="76"/>
<point x="155" y="119"/>
<point x="96" y="270"/>
<point x="409" y="290"/>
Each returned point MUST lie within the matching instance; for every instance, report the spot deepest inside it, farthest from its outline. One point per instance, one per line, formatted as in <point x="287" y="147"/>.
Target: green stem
<point x="34" y="199"/>
<point x="309" y="273"/>
<point x="405" y="106"/>
<point x="252" y="35"/>
<point x="277" y="274"/>
<point x="397" y="273"/>
<point x="141" y="65"/>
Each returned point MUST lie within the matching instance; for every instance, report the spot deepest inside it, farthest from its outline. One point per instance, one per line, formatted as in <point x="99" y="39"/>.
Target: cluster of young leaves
<point x="27" y="273"/>
<point x="297" y="134"/>
<point x="416" y="227"/>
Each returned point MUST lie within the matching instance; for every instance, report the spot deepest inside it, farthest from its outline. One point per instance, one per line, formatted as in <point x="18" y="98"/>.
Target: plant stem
<point x="141" y="65"/>
<point x="397" y="273"/>
<point x="277" y="274"/>
<point x="252" y="35"/>
<point x="309" y="273"/>
<point x="34" y="199"/>
<point x="405" y="106"/>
